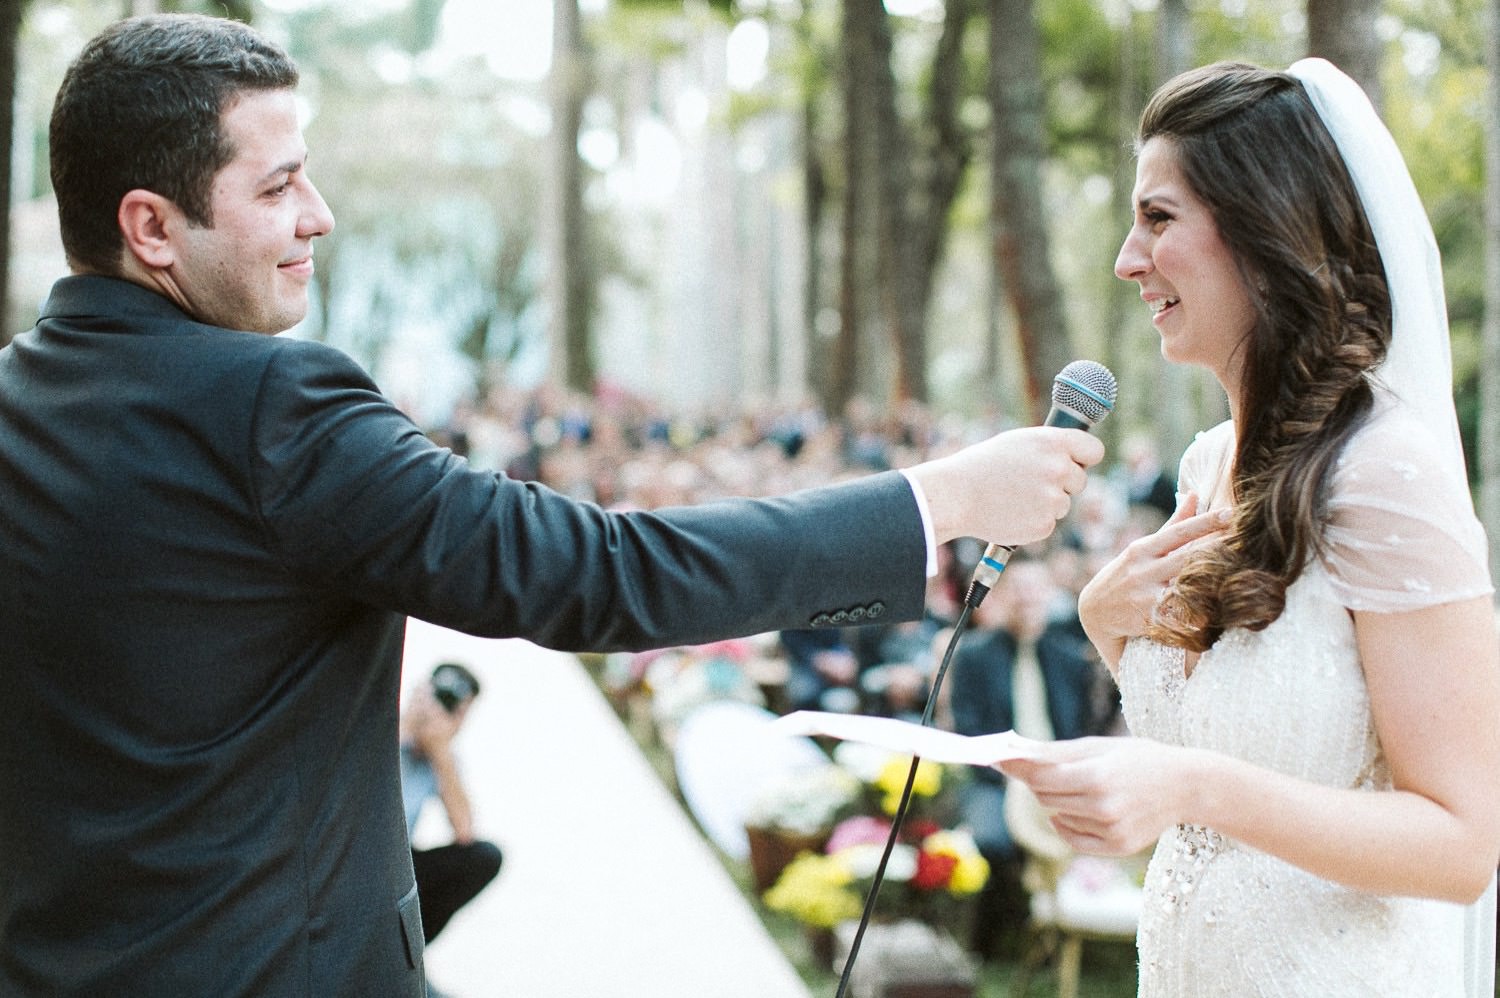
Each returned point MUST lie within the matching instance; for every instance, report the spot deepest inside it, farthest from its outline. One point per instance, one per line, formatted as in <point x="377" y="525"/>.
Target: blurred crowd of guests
<point x="1024" y="663"/>
<point x="624" y="452"/>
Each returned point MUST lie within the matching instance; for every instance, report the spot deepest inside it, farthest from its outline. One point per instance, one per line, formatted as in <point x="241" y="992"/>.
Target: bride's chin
<point x="1174" y="351"/>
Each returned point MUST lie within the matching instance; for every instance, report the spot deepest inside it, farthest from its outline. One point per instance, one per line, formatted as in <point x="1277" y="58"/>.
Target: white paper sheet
<point x="906" y="737"/>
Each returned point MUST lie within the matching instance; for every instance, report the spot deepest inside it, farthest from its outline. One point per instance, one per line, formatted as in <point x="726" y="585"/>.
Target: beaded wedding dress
<point x="1221" y="919"/>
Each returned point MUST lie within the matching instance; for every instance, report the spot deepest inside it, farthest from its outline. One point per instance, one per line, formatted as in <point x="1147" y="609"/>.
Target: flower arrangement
<point x="793" y="815"/>
<point x="806" y="802"/>
<point x="931" y="867"/>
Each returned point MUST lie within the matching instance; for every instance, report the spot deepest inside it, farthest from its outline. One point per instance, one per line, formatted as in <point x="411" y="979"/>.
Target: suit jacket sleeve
<point x="353" y="496"/>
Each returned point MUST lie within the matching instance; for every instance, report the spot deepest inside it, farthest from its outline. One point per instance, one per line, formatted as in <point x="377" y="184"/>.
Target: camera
<point x="453" y="685"/>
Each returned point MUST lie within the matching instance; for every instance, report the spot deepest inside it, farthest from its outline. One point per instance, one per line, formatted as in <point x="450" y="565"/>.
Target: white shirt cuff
<point x="927" y="532"/>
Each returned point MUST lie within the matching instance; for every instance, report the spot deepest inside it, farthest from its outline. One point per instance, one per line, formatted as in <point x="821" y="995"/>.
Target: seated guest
<point x="823" y="671"/>
<point x="897" y="660"/>
<point x="1021" y="668"/>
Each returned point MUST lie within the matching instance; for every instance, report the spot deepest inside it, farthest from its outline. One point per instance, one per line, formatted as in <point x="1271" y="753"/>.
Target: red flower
<point x="933" y="871"/>
<point x="918" y="829"/>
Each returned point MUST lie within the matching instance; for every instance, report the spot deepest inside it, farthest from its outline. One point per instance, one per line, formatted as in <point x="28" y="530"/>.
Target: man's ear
<point x="146" y="221"/>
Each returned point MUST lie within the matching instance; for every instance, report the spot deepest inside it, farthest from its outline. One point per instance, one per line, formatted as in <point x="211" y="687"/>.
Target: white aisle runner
<point x="608" y="890"/>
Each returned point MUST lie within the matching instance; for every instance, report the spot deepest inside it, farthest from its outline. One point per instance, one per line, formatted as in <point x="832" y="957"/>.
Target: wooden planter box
<point x="771" y="849"/>
<point x="905" y="959"/>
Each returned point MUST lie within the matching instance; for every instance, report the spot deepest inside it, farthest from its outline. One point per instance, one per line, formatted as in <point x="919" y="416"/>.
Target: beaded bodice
<point x="1220" y="919"/>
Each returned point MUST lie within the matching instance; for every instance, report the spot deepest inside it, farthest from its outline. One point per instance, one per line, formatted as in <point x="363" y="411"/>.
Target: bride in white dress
<point x="1307" y="651"/>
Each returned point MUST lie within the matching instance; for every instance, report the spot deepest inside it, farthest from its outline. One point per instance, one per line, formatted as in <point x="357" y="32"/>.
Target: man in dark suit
<point x="211" y="538"/>
<point x="1028" y="668"/>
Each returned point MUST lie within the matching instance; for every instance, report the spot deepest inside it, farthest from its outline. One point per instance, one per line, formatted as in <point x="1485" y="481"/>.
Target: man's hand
<point x="1011" y="488"/>
<point x="430" y="726"/>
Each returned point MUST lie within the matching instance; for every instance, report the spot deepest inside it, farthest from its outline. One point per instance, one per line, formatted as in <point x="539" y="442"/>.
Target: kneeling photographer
<point x="449" y="876"/>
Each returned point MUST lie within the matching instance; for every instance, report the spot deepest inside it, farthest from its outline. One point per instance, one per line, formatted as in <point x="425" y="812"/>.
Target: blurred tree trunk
<point x="571" y="360"/>
<point x="901" y="303"/>
<point x="1018" y="155"/>
<point x="11" y="12"/>
<point x="918" y="198"/>
<point x="1174" y="38"/>
<point x="1343" y="32"/>
<point x="919" y="178"/>
<point x="909" y="181"/>
<point x="815" y="188"/>
<point x="858" y="82"/>
<point x="1129" y="350"/>
<point x="1489" y="368"/>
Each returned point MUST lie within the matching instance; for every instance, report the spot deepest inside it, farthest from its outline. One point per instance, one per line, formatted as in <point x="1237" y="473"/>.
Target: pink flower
<point x="860" y="830"/>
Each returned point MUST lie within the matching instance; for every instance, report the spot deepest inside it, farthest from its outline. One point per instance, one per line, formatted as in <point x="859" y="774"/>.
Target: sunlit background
<point x="430" y="125"/>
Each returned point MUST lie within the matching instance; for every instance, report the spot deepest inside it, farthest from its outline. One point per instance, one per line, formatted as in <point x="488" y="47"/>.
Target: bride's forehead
<point x="1159" y="176"/>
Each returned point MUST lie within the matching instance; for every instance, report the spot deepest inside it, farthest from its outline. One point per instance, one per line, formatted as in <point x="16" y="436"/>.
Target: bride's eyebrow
<point x="1155" y="200"/>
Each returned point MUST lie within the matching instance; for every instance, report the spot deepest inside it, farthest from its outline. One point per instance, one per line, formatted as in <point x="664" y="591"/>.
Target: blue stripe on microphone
<point x="996" y="565"/>
<point x="1108" y="404"/>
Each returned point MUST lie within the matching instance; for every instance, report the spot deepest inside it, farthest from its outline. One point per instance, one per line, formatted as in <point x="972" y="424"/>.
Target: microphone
<point x="1083" y="393"/>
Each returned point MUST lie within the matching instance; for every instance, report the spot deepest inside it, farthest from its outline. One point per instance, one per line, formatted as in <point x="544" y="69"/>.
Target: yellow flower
<point x="970" y="875"/>
<point x="815" y="889"/>
<point x="971" y="871"/>
<point x="892" y="780"/>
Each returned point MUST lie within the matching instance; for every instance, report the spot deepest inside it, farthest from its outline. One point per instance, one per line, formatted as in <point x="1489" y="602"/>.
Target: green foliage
<point x="432" y="174"/>
<point x="1458" y="26"/>
<point x="1437" y="116"/>
<point x="1267" y="32"/>
<point x="236" y="10"/>
<point x="1080" y="58"/>
<point x="676" y="7"/>
<point x="434" y="186"/>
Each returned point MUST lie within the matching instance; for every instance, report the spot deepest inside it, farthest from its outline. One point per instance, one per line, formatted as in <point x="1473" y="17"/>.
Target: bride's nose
<point x="1134" y="262"/>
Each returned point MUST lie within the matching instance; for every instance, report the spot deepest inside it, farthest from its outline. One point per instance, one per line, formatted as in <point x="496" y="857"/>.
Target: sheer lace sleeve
<point x="1401" y="531"/>
<point x="1204" y="469"/>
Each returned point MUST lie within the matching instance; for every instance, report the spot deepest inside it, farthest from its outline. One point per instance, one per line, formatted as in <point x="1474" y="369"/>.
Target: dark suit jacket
<point x="209" y="542"/>
<point x="981" y="678"/>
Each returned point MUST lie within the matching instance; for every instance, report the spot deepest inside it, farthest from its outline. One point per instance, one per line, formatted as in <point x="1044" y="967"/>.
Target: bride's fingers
<point x="1172" y="561"/>
<point x="1085" y="839"/>
<point x="1175" y="536"/>
<point x="1187" y="505"/>
<point x="1076" y="825"/>
<point x="1090" y="845"/>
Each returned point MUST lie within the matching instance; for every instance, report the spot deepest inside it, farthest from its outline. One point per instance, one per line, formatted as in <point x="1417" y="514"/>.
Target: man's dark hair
<point x="141" y="107"/>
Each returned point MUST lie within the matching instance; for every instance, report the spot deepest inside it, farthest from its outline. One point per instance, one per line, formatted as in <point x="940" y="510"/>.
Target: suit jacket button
<point x="875" y="609"/>
<point x="840" y="616"/>
<point x="856" y="614"/>
<point x="821" y="620"/>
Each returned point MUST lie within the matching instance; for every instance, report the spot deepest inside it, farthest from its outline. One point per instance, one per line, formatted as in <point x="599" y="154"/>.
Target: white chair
<point x="1073" y="898"/>
<point x="725" y="753"/>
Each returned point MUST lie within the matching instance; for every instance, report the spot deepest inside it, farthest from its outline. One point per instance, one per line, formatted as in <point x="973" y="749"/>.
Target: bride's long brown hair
<point x="1251" y="147"/>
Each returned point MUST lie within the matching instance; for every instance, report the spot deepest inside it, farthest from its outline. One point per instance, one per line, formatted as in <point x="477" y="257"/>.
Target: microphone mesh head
<point x="1087" y="388"/>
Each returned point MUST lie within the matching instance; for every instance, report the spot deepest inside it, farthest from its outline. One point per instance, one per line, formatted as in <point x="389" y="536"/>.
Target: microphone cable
<point x="1083" y="394"/>
<point x="976" y="594"/>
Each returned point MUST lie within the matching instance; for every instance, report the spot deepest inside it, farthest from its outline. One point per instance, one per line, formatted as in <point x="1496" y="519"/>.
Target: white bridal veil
<point x="1418" y="369"/>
